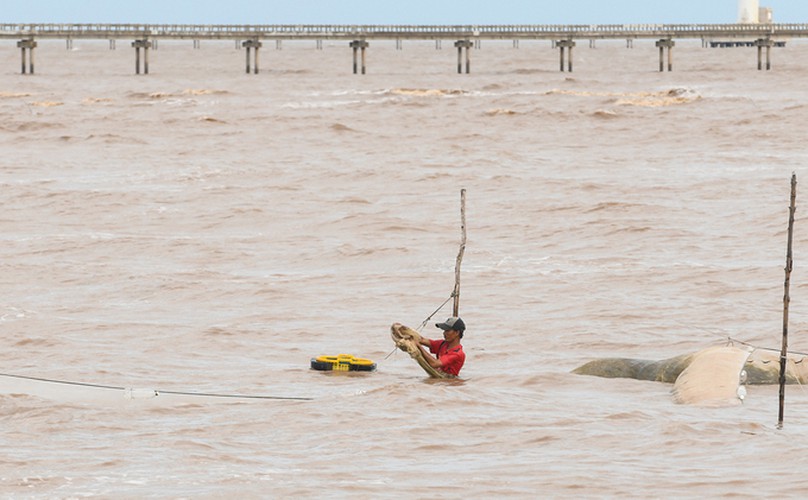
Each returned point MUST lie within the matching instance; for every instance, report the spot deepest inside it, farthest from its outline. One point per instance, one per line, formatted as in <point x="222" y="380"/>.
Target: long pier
<point x="146" y="36"/>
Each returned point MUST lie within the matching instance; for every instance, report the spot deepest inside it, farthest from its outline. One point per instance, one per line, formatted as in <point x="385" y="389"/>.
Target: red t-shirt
<point x="451" y="359"/>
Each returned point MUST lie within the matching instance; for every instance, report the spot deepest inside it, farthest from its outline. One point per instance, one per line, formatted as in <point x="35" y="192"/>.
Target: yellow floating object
<point x="342" y="363"/>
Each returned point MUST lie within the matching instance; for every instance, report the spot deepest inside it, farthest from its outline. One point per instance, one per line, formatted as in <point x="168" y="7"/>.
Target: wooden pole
<point x="456" y="292"/>
<point x="786" y="300"/>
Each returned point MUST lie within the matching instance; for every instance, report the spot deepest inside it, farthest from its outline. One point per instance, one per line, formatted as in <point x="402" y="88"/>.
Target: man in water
<point x="449" y="356"/>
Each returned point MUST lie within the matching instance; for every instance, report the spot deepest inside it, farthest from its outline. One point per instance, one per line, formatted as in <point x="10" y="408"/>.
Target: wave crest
<point x="426" y="92"/>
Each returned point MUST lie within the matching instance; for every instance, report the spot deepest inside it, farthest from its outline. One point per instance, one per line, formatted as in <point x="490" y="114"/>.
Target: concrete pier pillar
<point x="663" y="44"/>
<point x="145" y="45"/>
<point x="463" y="44"/>
<point x="565" y="44"/>
<point x="27" y="46"/>
<point x="357" y="45"/>
<point x="661" y="58"/>
<point x="760" y="43"/>
<point x="252" y="44"/>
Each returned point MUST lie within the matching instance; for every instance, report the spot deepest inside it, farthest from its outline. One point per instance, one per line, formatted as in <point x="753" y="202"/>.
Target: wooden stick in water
<point x="456" y="292"/>
<point x="786" y="300"/>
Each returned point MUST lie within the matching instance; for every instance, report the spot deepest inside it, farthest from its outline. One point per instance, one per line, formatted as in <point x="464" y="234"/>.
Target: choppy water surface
<point x="202" y="230"/>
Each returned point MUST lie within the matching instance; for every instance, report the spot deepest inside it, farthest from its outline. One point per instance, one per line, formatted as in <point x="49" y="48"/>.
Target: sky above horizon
<point x="390" y="12"/>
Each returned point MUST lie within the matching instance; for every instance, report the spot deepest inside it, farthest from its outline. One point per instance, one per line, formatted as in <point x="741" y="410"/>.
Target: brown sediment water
<point x="203" y="230"/>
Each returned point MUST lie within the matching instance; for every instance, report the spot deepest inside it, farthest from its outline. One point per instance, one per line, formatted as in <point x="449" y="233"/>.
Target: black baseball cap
<point x="452" y="323"/>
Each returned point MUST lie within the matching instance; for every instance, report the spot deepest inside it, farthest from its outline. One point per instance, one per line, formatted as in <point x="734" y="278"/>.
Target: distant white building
<point x="750" y="12"/>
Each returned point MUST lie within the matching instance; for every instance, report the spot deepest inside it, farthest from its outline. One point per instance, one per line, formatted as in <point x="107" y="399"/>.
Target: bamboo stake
<point x="456" y="292"/>
<point x="786" y="300"/>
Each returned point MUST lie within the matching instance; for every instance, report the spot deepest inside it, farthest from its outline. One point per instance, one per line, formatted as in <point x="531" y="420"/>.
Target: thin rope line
<point x="180" y="393"/>
<point x="65" y="382"/>
<point x="451" y="296"/>
<point x="242" y="396"/>
<point x="761" y="348"/>
<point x="742" y="342"/>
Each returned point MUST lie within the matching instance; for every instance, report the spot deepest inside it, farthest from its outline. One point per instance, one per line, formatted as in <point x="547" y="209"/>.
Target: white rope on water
<point x="132" y="393"/>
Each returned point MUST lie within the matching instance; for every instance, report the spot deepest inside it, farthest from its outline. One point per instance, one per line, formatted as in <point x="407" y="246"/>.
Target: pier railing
<point x="426" y="32"/>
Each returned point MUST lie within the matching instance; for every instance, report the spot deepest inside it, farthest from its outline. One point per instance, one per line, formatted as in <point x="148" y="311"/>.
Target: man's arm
<point x="432" y="360"/>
